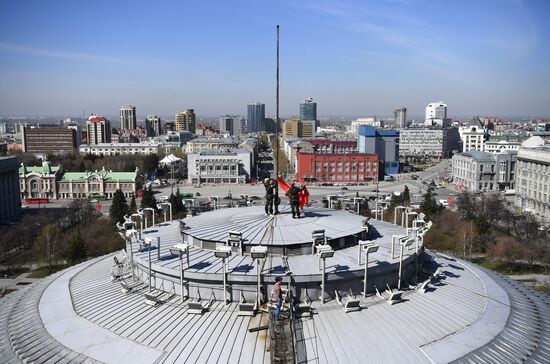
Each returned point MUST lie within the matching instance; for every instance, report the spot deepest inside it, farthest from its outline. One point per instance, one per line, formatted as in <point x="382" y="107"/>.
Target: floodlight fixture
<point x="258" y="252"/>
<point x="222" y="252"/>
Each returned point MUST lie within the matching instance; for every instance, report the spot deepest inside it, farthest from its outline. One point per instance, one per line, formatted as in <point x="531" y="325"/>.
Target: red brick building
<point x="343" y="168"/>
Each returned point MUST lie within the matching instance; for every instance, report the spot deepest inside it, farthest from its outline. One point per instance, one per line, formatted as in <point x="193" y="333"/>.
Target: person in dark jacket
<point x="269" y="196"/>
<point x="294" y="199"/>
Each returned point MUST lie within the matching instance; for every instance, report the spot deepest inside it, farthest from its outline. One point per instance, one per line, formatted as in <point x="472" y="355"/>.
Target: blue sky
<point x="352" y="57"/>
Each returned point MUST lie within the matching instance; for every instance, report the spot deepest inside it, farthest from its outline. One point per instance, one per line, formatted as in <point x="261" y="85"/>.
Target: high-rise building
<point x="185" y="120"/>
<point x="78" y="131"/>
<point x="98" y="129"/>
<point x="300" y="128"/>
<point x="128" y="117"/>
<point x="153" y="125"/>
<point x="3" y="127"/>
<point x="400" y="117"/>
<point x="436" y="114"/>
<point x="308" y="110"/>
<point x="233" y="125"/>
<point x="48" y="140"/>
<point x="255" y="117"/>
<point x="384" y="143"/>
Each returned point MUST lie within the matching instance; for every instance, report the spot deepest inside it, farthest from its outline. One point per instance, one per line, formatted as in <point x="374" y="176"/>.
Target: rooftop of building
<point x="371" y="131"/>
<point x="46" y="167"/>
<point x="222" y="152"/>
<point x="97" y="119"/>
<point x="108" y="176"/>
<point x="121" y="145"/>
<point x="479" y="155"/>
<point x="468" y="314"/>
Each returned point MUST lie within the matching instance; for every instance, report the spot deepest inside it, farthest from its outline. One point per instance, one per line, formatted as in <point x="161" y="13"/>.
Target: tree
<point x="364" y="209"/>
<point x="179" y="201"/>
<point x="46" y="244"/>
<point x="465" y="205"/>
<point x="119" y="207"/>
<point x="148" y="199"/>
<point x="133" y="205"/>
<point x="150" y="164"/>
<point x="428" y="205"/>
<point x="508" y="251"/>
<point x="406" y="196"/>
<point x="77" y="249"/>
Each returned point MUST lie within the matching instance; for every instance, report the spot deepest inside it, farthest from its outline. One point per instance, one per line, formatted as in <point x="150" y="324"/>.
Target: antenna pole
<point x="277" y="132"/>
<point x="277" y="110"/>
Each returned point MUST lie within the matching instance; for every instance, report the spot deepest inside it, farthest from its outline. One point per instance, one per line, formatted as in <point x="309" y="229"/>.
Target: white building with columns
<point x="473" y="136"/>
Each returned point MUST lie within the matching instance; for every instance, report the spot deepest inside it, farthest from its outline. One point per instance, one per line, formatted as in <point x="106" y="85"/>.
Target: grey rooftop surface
<point x="469" y="315"/>
<point x="281" y="229"/>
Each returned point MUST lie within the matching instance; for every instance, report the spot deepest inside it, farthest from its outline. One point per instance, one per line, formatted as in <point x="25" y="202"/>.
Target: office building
<point x="298" y="128"/>
<point x="533" y="177"/>
<point x="232" y="125"/>
<point x="511" y="140"/>
<point x="200" y="144"/>
<point x="429" y="142"/>
<point x="384" y="143"/>
<point x="128" y="117"/>
<point x="436" y="114"/>
<point x="220" y="166"/>
<point x="473" y="135"/>
<point x="9" y="189"/>
<point x="270" y="125"/>
<point x="78" y="132"/>
<point x="153" y="126"/>
<point x="98" y="130"/>
<point x="479" y="171"/>
<point x="185" y="120"/>
<point x="307" y="129"/>
<point x="337" y="167"/>
<point x="400" y="115"/>
<point x="144" y="148"/>
<point x="255" y="117"/>
<point x="370" y="121"/>
<point x="308" y="110"/>
<point x="48" y="140"/>
<point x="3" y="127"/>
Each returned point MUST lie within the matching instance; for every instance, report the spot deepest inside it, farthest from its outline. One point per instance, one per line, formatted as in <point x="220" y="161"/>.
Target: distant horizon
<point x="199" y="117"/>
<point x="353" y="57"/>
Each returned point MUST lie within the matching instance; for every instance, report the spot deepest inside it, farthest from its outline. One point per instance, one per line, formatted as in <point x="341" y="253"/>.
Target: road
<point x="317" y="193"/>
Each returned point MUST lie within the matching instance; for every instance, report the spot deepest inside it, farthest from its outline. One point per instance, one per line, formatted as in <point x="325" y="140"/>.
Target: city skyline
<point x="353" y="58"/>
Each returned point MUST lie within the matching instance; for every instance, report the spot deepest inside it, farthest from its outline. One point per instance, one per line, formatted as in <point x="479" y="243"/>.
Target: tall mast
<point x="277" y="110"/>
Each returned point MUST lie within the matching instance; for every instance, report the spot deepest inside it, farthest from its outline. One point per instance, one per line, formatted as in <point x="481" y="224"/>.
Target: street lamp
<point x="408" y="213"/>
<point x="180" y="250"/>
<point x="258" y="252"/>
<point x="368" y="249"/>
<point x="159" y="206"/>
<point x="223" y="252"/>
<point x="404" y="244"/>
<point x="128" y="238"/>
<point x="395" y="211"/>
<point x="324" y="252"/>
<point x="147" y="242"/>
<point x="140" y="216"/>
<point x="152" y="210"/>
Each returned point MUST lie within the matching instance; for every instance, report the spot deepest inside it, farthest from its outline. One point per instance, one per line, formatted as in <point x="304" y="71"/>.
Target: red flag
<point x="303" y="197"/>
<point x="99" y="206"/>
<point x="283" y="184"/>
